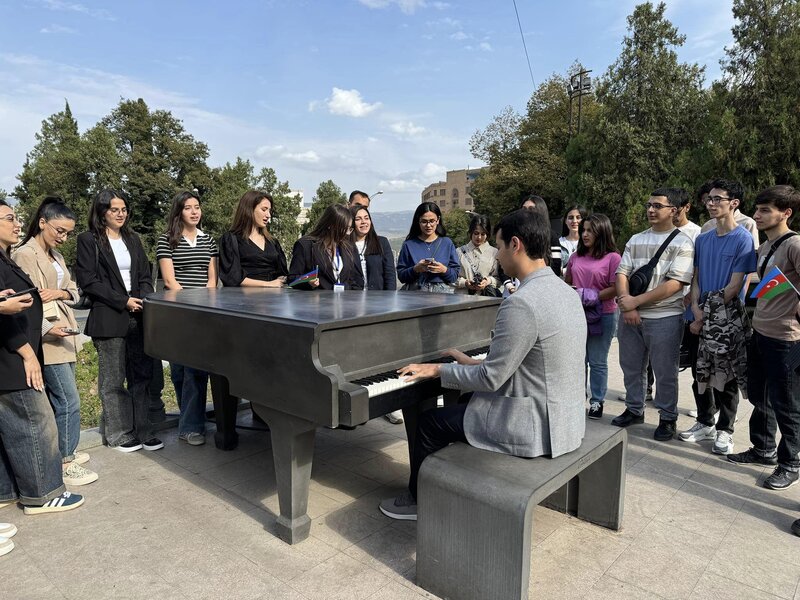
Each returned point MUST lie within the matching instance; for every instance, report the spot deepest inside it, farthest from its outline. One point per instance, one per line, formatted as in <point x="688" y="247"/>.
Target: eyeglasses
<point x="62" y="233"/>
<point x="12" y="218"/>
<point x="656" y="205"/>
<point x="716" y="199"/>
<point x="118" y="211"/>
<point x="428" y="221"/>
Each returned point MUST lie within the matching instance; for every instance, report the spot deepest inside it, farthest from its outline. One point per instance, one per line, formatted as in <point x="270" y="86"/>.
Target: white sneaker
<point x="81" y="458"/>
<point x="8" y="530"/>
<point x="692" y="413"/>
<point x="723" y="444"/>
<point x="698" y="432"/>
<point x="395" y="417"/>
<point x="74" y="474"/>
<point x="6" y="545"/>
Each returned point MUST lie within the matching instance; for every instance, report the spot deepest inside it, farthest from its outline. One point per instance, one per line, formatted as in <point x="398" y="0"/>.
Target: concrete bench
<point x="476" y="510"/>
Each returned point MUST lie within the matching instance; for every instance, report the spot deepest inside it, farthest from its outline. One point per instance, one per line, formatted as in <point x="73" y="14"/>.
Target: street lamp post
<point x="378" y="193"/>
<point x="580" y="84"/>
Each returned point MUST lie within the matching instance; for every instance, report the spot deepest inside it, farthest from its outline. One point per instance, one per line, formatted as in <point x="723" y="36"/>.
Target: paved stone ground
<point x="198" y="523"/>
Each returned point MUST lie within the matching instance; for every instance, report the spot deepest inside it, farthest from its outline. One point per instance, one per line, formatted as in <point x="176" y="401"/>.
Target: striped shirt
<point x="676" y="262"/>
<point x="190" y="261"/>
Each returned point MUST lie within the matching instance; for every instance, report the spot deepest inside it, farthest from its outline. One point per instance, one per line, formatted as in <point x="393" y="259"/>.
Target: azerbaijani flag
<point x="773" y="284"/>
<point x="308" y="277"/>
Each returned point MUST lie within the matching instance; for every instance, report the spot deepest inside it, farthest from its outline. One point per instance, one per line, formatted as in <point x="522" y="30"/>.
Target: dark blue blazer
<point x="381" y="272"/>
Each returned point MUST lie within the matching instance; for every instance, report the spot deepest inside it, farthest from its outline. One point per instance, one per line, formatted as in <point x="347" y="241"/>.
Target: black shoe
<point x="750" y="456"/>
<point x="781" y="479"/>
<point x="595" y="410"/>
<point x="665" y="430"/>
<point x="153" y="444"/>
<point x="131" y="446"/>
<point x="627" y="418"/>
<point x="796" y="527"/>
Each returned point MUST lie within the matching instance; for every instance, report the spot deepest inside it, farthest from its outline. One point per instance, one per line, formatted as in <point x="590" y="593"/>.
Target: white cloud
<point x="57" y="29"/>
<point x="307" y="157"/>
<point x="349" y="103"/>
<point x="407" y="129"/>
<point x="409" y="7"/>
<point x="458" y="36"/>
<point x="445" y="22"/>
<point x="63" y="6"/>
<point x="414" y="181"/>
<point x="485" y="46"/>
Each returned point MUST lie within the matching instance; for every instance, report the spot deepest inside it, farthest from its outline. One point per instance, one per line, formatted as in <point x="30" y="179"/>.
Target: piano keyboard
<point x="390" y="381"/>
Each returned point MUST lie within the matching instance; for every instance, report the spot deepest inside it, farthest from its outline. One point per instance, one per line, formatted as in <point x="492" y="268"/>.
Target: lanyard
<point x="337" y="265"/>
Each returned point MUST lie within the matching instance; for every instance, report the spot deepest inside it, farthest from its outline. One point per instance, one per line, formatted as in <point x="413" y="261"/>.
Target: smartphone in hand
<point x="15" y="294"/>
<point x="70" y="330"/>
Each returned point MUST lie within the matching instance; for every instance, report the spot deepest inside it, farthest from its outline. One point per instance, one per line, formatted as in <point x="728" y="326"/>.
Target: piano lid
<point x="322" y="309"/>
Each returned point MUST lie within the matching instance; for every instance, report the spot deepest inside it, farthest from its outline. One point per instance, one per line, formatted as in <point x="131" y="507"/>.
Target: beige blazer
<point x="38" y="265"/>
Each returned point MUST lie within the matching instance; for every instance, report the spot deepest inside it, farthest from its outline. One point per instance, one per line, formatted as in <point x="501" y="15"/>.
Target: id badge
<point x="338" y="287"/>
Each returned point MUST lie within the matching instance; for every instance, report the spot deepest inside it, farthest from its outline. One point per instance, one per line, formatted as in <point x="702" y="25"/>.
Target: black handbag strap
<point x="772" y="250"/>
<point x="654" y="261"/>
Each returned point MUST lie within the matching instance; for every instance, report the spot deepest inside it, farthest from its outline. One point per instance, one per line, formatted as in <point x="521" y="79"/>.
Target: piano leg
<point x="225" y="411"/>
<point x="292" y="452"/>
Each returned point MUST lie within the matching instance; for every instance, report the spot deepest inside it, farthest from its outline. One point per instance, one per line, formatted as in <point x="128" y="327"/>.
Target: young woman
<point x="479" y="269"/>
<point x="428" y="260"/>
<point x="112" y="269"/>
<point x="594" y="267"/>
<point x="187" y="258"/>
<point x="249" y="256"/>
<point x="30" y="463"/>
<point x="374" y="252"/>
<point x="537" y="203"/>
<point x="569" y="231"/>
<point x="328" y="247"/>
<point x="38" y="256"/>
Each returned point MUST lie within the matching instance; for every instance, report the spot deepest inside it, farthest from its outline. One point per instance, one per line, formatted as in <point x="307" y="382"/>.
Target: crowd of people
<point x="674" y="288"/>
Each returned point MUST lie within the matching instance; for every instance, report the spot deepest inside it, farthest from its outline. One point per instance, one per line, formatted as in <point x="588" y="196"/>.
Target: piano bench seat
<point x="475" y="510"/>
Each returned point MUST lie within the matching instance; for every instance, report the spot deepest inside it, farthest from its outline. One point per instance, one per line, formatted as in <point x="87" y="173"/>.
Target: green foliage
<point x="328" y="194"/>
<point x="456" y="222"/>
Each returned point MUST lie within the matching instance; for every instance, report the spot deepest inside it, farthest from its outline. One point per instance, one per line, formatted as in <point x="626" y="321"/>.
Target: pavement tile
<point x="697" y="507"/>
<point x="552" y="577"/>
<point x="344" y="527"/>
<point x="22" y="577"/>
<point x="340" y="577"/>
<point x="718" y="586"/>
<point x="611" y="588"/>
<point x="388" y="551"/>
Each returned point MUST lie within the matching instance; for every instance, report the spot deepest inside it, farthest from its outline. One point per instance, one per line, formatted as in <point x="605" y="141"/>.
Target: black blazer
<point x="109" y="316"/>
<point x="309" y="253"/>
<point x="381" y="270"/>
<point x="17" y="330"/>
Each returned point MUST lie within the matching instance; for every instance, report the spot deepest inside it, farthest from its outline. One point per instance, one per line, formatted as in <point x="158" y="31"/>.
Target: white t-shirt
<point x="59" y="273"/>
<point x="362" y="248"/>
<point x="123" y="258"/>
<point x="691" y="229"/>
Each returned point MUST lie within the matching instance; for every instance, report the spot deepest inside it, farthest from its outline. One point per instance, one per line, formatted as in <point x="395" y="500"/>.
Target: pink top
<point x="597" y="273"/>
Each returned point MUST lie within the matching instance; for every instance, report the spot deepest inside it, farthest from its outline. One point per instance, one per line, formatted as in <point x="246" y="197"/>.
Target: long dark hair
<point x="539" y="205"/>
<point x="6" y="256"/>
<point x="52" y="207"/>
<point x="97" y="217"/>
<point x="243" y="220"/>
<point x="424" y="207"/>
<point x="603" y="236"/>
<point x="372" y="243"/>
<point x="331" y="229"/>
<point x="580" y="209"/>
<point x="481" y="221"/>
<point x="175" y="218"/>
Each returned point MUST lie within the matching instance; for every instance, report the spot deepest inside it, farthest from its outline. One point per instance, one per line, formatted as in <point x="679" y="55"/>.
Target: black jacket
<point x="381" y="270"/>
<point x="109" y="316"/>
<point x="309" y="253"/>
<point x="17" y="330"/>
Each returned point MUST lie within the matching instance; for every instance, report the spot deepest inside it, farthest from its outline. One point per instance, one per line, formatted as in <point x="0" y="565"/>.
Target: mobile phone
<point x="70" y="330"/>
<point x="15" y="294"/>
<point x="430" y="260"/>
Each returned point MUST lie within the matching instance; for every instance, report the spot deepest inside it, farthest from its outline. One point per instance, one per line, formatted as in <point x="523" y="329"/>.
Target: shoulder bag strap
<point x="772" y="250"/>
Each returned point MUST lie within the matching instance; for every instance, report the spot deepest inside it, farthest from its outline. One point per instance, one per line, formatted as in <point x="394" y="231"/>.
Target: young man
<point x="527" y="399"/>
<point x="681" y="217"/>
<point x="776" y="329"/>
<point x="723" y="260"/>
<point x="652" y="322"/>
<point x="357" y="197"/>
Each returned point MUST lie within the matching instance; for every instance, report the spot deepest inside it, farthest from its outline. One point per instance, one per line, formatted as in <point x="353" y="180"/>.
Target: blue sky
<point x="374" y="94"/>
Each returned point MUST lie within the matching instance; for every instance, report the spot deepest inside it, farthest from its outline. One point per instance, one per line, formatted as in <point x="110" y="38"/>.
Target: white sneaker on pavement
<point x="6" y="545"/>
<point x="8" y="530"/>
<point x="74" y="474"/>
<point x="723" y="444"/>
<point x="698" y="432"/>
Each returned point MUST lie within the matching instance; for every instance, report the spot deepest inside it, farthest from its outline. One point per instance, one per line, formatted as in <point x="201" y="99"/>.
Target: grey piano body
<point x="297" y="355"/>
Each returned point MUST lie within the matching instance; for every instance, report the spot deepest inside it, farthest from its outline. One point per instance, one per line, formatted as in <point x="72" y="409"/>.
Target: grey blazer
<point x="529" y="391"/>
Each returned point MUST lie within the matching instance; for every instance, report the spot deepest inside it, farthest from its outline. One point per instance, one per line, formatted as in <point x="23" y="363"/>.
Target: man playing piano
<point x="528" y="393"/>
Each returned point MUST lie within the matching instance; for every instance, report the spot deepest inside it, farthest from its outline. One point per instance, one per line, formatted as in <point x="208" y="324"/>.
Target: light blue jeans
<point x="597" y="347"/>
<point x="658" y="340"/>
<point x="66" y="402"/>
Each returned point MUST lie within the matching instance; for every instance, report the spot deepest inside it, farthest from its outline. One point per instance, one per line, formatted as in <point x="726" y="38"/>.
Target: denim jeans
<point x="658" y="340"/>
<point x="30" y="464"/>
<point x="437" y="428"/>
<point x="66" y="402"/>
<point x="597" y="347"/>
<point x="190" y="389"/>
<point x="775" y="400"/>
<point x="124" y="410"/>
<point x="155" y="390"/>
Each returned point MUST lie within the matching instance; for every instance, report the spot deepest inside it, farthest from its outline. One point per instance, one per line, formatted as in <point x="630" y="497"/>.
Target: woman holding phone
<point x="39" y="257"/>
<point x="428" y="260"/>
<point x="112" y="269"/>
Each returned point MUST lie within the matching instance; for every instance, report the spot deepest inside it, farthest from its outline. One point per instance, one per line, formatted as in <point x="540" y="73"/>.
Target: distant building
<point x="455" y="192"/>
<point x="302" y="217"/>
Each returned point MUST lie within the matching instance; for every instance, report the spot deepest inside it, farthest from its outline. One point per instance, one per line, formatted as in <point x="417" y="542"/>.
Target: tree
<point x="328" y="194"/>
<point x="456" y="222"/>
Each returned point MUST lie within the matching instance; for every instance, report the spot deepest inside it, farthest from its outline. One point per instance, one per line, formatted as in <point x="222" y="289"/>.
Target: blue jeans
<point x="772" y="389"/>
<point x="659" y="341"/>
<point x="597" y="347"/>
<point x="190" y="390"/>
<point x="30" y="464"/>
<point x="66" y="402"/>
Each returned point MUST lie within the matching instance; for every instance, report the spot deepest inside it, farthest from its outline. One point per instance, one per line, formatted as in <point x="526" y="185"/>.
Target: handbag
<point x="49" y="309"/>
<point x="639" y="280"/>
<point x="84" y="300"/>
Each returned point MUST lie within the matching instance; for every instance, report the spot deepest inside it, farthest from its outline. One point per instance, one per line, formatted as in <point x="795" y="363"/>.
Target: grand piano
<point x="310" y="359"/>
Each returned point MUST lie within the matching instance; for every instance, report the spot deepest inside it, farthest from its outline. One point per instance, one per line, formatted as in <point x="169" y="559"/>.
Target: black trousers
<point x="437" y="428"/>
<point x="711" y="401"/>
